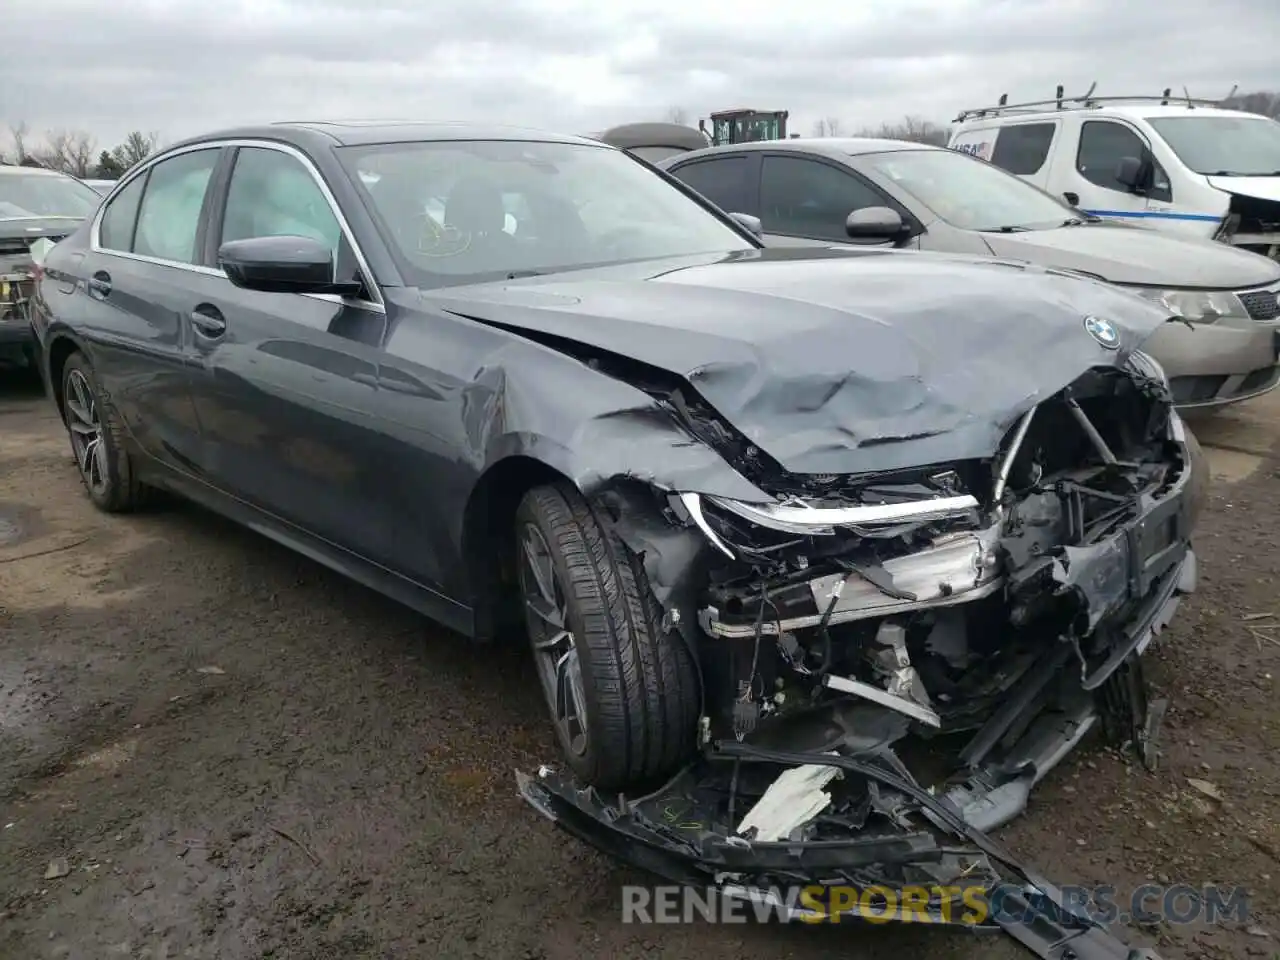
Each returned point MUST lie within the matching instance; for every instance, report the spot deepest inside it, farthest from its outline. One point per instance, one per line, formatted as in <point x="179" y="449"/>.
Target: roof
<point x="630" y="135"/>
<point x="826" y="146"/>
<point x="347" y="133"/>
<point x="1131" y="111"/>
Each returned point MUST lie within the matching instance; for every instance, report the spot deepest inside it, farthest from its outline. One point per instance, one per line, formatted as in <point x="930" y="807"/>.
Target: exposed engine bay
<point x="1253" y="224"/>
<point x="890" y="663"/>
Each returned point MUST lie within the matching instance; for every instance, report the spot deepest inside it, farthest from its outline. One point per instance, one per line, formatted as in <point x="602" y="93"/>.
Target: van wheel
<point x="97" y="440"/>
<point x="623" y="693"/>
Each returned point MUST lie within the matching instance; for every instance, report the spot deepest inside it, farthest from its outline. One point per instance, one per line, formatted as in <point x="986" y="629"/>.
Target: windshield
<point x="458" y="211"/>
<point x="1223" y="146"/>
<point x="966" y="192"/>
<point x="24" y="195"/>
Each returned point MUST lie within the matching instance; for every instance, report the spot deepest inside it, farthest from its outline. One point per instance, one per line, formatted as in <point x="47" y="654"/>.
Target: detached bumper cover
<point x="1017" y="901"/>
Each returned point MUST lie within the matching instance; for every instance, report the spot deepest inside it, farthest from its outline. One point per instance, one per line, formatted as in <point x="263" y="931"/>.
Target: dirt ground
<point x="234" y="753"/>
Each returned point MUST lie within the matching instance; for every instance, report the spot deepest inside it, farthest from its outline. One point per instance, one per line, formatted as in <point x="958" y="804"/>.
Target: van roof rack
<point x="1062" y="102"/>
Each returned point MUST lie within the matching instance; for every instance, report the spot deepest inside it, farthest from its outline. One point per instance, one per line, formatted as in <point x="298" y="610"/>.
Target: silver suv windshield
<point x="39" y="194"/>
<point x="457" y="211"/>
<point x="1219" y="146"/>
<point x="968" y="193"/>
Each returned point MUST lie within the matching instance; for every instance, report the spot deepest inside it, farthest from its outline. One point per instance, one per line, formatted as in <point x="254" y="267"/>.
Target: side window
<point x="1102" y="145"/>
<point x="1022" y="148"/>
<point x="170" y="213"/>
<point x="725" y="181"/>
<point x="272" y="194"/>
<point x="115" y="231"/>
<point x="808" y="198"/>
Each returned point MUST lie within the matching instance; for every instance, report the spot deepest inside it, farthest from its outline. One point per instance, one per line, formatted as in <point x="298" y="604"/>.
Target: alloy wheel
<point x="554" y="649"/>
<point x="86" y="431"/>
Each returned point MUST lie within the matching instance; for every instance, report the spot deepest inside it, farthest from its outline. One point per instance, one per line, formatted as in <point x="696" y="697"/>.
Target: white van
<point x="1181" y="165"/>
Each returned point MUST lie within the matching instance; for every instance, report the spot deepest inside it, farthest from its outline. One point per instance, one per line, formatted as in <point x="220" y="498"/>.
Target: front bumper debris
<point x="17" y="342"/>
<point x="1023" y="628"/>
<point x="684" y="833"/>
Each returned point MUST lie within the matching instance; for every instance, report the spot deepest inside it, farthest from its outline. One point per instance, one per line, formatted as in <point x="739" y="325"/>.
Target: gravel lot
<point x="236" y="754"/>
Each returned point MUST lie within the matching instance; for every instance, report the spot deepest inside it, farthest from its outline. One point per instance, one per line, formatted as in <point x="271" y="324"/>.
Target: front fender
<point x="533" y="401"/>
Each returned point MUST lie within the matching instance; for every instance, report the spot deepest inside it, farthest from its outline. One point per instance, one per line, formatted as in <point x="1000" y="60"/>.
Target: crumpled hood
<point x="1138" y="255"/>
<point x="831" y="363"/>
<point x="1261" y="188"/>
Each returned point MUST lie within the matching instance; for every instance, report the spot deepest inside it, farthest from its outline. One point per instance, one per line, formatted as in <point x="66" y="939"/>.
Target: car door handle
<point x="99" y="285"/>
<point x="208" y="321"/>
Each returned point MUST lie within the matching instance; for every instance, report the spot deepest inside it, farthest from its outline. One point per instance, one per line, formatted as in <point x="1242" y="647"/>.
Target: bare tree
<point x="1261" y="102"/>
<point x="71" y="151"/>
<point x="827" y="127"/>
<point x="911" y="128"/>
<point x="18" y="133"/>
<point x="678" y="115"/>
<point x="137" y="146"/>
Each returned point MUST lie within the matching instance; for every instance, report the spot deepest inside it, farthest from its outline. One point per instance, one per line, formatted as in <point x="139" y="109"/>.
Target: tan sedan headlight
<point x="1197" y="306"/>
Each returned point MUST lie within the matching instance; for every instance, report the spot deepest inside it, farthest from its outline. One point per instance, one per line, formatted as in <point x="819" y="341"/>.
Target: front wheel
<point x="624" y="693"/>
<point x="97" y="440"/>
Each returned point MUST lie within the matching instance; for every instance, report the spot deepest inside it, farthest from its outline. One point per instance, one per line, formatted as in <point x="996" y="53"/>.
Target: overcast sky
<point x="186" y="66"/>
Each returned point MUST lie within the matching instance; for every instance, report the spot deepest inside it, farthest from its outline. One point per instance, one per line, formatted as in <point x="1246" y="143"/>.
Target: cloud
<point x="186" y="66"/>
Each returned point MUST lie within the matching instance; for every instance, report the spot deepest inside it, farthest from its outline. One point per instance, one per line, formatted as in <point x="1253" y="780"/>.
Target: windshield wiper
<point x="1081" y="221"/>
<point x="1011" y="228"/>
<point x="1245" y="173"/>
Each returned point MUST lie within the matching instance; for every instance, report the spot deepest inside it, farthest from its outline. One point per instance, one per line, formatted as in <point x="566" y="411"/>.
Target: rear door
<point x="1023" y="149"/>
<point x="285" y="384"/>
<point x="730" y="181"/>
<point x="135" y="282"/>
<point x="975" y="141"/>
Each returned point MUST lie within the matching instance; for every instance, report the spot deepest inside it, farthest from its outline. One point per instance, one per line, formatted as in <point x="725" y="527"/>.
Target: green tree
<point x="108" y="168"/>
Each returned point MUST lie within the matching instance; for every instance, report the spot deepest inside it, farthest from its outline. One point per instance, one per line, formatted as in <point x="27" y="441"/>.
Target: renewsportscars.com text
<point x="968" y="905"/>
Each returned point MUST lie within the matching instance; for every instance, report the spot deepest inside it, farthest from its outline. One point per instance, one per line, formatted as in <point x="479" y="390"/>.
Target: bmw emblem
<point x="1104" y="331"/>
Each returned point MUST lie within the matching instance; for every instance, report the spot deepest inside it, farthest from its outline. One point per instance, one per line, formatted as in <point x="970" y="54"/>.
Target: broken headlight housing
<point x="799" y="518"/>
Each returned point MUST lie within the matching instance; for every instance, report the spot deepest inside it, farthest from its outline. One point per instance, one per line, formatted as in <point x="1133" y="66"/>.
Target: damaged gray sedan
<point x="771" y="519"/>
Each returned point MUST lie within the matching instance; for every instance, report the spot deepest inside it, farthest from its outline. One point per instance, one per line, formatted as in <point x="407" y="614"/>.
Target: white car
<point x="101" y="186"/>
<point x="1165" y="163"/>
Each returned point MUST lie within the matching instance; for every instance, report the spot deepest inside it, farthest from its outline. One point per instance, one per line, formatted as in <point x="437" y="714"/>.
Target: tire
<point x="105" y="468"/>
<point x="638" y="693"/>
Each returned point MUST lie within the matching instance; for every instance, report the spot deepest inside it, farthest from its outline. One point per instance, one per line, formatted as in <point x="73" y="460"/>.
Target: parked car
<point x="1190" y="167"/>
<point x="738" y="499"/>
<point x="914" y="196"/>
<point x="38" y="207"/>
<point x="101" y="186"/>
<point x="654" y="141"/>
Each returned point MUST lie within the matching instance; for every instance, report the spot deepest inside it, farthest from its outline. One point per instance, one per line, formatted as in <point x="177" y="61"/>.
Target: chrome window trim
<point x="377" y="305"/>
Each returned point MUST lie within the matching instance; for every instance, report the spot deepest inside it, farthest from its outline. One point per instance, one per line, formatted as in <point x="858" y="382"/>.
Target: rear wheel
<point x="623" y="692"/>
<point x="97" y="440"/>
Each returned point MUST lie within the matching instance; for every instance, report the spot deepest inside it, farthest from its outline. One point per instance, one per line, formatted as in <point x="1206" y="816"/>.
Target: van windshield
<point x="968" y="193"/>
<point x="1218" y="146"/>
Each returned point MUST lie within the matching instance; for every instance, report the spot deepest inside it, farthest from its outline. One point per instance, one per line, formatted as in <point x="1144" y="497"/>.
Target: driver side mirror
<point x="282" y="265"/>
<point x="753" y="224"/>
<point x="875" y="223"/>
<point x="1133" y="173"/>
